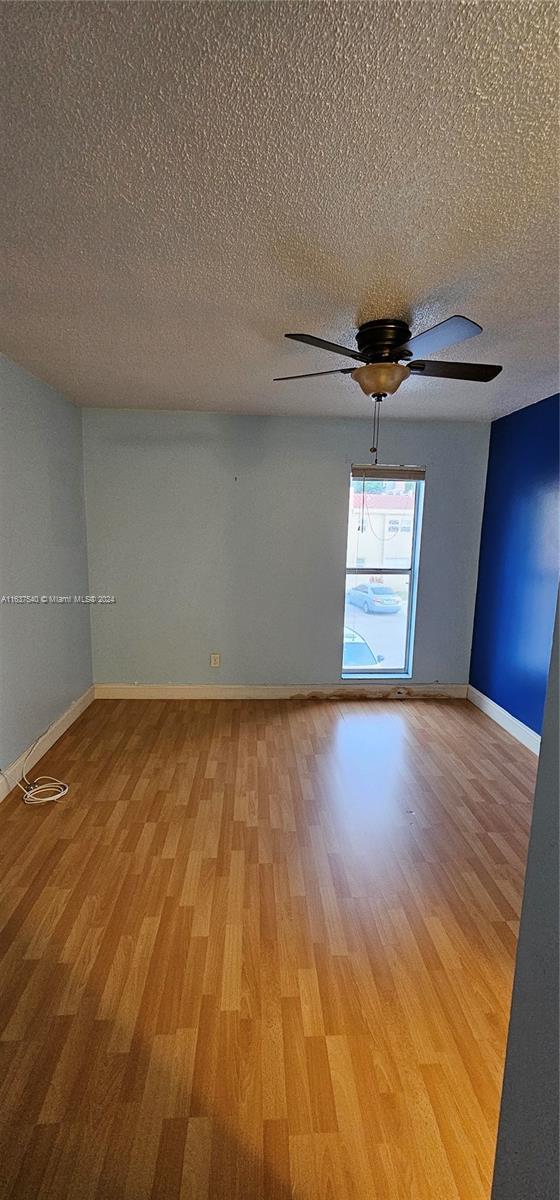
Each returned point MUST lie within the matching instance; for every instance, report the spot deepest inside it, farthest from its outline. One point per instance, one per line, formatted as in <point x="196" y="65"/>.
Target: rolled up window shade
<point x="381" y="472"/>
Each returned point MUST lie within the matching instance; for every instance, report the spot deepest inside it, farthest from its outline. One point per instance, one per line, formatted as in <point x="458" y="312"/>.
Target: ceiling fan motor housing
<point x="384" y="341"/>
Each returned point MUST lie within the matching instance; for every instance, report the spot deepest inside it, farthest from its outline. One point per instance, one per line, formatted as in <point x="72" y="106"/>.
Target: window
<point x="384" y="517"/>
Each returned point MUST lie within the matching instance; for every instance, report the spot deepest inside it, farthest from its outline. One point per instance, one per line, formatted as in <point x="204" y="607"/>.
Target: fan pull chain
<point x="375" y="433"/>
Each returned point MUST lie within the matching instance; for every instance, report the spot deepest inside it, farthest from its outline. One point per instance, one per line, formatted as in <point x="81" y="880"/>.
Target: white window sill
<point x="380" y="675"/>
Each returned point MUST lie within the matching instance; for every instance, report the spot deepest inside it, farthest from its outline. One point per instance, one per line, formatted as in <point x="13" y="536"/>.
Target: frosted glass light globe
<point x="377" y="379"/>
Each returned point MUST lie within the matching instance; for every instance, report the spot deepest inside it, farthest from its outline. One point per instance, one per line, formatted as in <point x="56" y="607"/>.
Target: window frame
<point x="417" y="475"/>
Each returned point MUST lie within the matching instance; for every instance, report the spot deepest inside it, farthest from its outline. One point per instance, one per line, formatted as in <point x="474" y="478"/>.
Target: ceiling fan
<point x="383" y="344"/>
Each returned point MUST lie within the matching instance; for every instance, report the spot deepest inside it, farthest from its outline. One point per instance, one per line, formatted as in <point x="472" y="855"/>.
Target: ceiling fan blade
<point x="315" y="341"/>
<point x="475" y="372"/>
<point x="312" y="374"/>
<point x="447" y="333"/>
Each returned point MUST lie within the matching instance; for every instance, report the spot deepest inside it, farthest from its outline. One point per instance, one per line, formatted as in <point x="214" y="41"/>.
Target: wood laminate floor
<point x="262" y="950"/>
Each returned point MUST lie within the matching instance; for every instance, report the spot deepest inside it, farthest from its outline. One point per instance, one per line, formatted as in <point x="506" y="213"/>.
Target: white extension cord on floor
<point x="44" y="788"/>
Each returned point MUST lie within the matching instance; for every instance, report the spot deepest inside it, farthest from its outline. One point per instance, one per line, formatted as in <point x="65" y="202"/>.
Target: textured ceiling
<point x="184" y="182"/>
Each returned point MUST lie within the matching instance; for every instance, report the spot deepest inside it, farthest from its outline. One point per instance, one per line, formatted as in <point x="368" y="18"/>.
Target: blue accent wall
<point x="519" y="562"/>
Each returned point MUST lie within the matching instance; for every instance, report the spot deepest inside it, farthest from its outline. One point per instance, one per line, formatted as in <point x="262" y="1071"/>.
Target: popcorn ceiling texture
<point x="184" y="182"/>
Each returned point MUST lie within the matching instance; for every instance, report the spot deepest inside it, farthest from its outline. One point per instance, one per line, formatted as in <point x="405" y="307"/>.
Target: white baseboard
<point x="13" y="773"/>
<point x="374" y="689"/>
<point x="512" y="725"/>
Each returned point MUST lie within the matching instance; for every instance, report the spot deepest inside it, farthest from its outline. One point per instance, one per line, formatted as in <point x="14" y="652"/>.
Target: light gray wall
<point x="228" y="533"/>
<point x="45" y="655"/>
<point x="527" y="1151"/>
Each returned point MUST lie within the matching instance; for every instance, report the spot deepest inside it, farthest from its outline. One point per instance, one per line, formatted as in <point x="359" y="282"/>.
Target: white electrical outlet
<point x="215" y="660"/>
